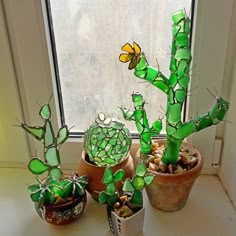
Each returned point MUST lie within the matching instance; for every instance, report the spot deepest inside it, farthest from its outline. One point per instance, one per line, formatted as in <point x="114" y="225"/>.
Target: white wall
<point x="13" y="141"/>
<point x="227" y="171"/>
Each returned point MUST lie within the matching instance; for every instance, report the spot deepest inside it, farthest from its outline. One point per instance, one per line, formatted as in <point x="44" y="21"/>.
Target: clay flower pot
<point x="95" y="173"/>
<point x="169" y="192"/>
<point x="132" y="225"/>
<point x="62" y="214"/>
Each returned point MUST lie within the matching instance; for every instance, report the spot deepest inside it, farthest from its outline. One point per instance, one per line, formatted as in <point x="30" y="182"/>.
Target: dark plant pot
<point x="62" y="214"/>
<point x="95" y="173"/>
<point x="126" y="226"/>
<point x="169" y="192"/>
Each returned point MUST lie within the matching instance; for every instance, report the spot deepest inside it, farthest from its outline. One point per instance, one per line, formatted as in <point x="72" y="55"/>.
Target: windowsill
<point x="207" y="212"/>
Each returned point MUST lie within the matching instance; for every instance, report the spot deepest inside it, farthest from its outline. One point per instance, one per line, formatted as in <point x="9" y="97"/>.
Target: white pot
<point x="131" y="226"/>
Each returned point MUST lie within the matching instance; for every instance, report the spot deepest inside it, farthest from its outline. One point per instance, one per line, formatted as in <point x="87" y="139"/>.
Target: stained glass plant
<point x="130" y="199"/>
<point x="55" y="188"/>
<point x="107" y="141"/>
<point x="175" y="87"/>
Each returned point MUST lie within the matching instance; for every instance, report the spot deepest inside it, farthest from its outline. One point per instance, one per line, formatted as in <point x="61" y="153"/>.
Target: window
<point x="32" y="55"/>
<point x="87" y="45"/>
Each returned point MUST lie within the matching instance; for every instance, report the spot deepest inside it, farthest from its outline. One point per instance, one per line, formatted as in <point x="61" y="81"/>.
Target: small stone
<point x="171" y="169"/>
<point x="155" y="146"/>
<point x="195" y="154"/>
<point x="184" y="157"/>
<point x="157" y="155"/>
<point x="153" y="167"/>
<point x="162" y="167"/>
<point x="116" y="205"/>
<point x="178" y="169"/>
<point x="124" y="198"/>
<point x="151" y="158"/>
<point x="124" y="211"/>
<point x="157" y="161"/>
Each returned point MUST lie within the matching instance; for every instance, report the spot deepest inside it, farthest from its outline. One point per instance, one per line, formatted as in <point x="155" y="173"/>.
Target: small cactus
<point x="55" y="188"/>
<point x="107" y="141"/>
<point x="131" y="190"/>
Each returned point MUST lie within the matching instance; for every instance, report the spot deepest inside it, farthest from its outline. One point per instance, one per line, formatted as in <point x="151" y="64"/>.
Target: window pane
<point x="88" y="39"/>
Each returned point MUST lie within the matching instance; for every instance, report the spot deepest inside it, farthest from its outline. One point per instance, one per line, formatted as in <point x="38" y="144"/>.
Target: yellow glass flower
<point x="132" y="54"/>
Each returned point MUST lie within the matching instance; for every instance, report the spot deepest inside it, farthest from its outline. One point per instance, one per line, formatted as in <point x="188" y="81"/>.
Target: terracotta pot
<point x="169" y="192"/>
<point x="62" y="214"/>
<point x="95" y="173"/>
<point x="126" y="226"/>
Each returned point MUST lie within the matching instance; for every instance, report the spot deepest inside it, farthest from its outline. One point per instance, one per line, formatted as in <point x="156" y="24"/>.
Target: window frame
<point x="33" y="62"/>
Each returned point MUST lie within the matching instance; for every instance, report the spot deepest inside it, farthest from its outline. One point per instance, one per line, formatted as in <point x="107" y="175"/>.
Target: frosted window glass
<point x="88" y="38"/>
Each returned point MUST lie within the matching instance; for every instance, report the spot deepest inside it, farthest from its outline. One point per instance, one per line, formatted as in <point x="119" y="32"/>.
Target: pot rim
<point x="84" y="154"/>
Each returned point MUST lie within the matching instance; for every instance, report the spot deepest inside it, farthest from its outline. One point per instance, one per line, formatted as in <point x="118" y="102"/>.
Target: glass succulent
<point x="107" y="141"/>
<point x="131" y="190"/>
<point x="175" y="87"/>
<point x="55" y="188"/>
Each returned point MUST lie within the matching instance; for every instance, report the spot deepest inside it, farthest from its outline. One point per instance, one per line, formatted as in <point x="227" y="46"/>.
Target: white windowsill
<point x="208" y="212"/>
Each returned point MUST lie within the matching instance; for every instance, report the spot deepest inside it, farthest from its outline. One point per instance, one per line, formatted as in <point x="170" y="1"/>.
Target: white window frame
<point x="33" y="65"/>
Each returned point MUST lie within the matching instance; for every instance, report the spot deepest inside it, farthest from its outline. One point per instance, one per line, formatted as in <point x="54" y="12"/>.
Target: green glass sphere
<point x="107" y="141"/>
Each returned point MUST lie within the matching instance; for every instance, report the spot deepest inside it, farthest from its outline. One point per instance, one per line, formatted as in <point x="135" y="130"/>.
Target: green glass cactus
<point x="175" y="87"/>
<point x="55" y="186"/>
<point x="132" y="188"/>
<point x="107" y="141"/>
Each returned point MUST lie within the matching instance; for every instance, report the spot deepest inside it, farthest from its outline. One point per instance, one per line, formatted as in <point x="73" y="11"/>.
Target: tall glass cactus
<point x="175" y="87"/>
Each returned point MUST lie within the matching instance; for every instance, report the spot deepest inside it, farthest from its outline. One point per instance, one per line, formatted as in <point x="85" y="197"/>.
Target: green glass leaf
<point x="49" y="136"/>
<point x="102" y="197"/>
<point x="34" y="191"/>
<point x="178" y="16"/>
<point x="187" y="27"/>
<point x="157" y="126"/>
<point x="181" y="39"/>
<point x="37" y="166"/>
<point x="173" y="80"/>
<point x="184" y="82"/>
<point x="128" y="187"/>
<point x="185" y="130"/>
<point x="174" y="114"/>
<point x="111" y="188"/>
<point x="33" y="188"/>
<point x="42" y="198"/>
<point x="36" y="132"/>
<point x="138" y="183"/>
<point x="62" y="135"/>
<point x="180" y="95"/>
<point x="45" y="112"/>
<point x="55" y="173"/>
<point x="119" y="175"/>
<point x="56" y="189"/>
<point x="52" y="157"/>
<point x="148" y="179"/>
<point x="182" y="65"/>
<point x="170" y="130"/>
<point x="183" y="54"/>
<point x="137" y="198"/>
<point x="142" y="64"/>
<point x="49" y="197"/>
<point x="68" y="188"/>
<point x="205" y="122"/>
<point x="108" y="176"/>
<point x="140" y="169"/>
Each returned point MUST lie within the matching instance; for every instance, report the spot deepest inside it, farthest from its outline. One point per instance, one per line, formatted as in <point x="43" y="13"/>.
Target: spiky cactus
<point x="107" y="141"/>
<point x="175" y="87"/>
<point x="55" y="188"/>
